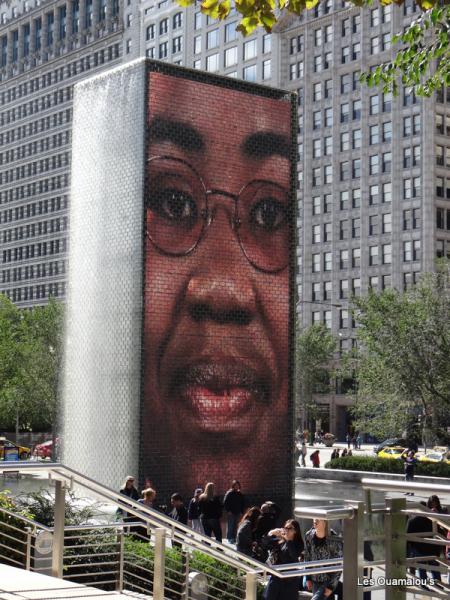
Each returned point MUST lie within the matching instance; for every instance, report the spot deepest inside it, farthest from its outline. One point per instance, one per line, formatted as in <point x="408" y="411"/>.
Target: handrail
<point x="152" y="517"/>
<point x="385" y="485"/>
<point x="26" y="519"/>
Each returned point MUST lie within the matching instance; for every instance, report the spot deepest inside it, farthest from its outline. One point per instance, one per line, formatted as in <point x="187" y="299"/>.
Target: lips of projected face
<point x="218" y="391"/>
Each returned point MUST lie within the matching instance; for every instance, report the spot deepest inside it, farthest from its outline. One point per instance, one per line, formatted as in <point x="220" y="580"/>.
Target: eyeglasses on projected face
<point x="181" y="208"/>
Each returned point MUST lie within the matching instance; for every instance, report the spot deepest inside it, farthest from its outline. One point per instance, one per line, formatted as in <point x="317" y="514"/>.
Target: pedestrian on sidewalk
<point x="234" y="504"/>
<point x="304" y="452"/>
<point x="315" y="459"/>
<point x="410" y="464"/>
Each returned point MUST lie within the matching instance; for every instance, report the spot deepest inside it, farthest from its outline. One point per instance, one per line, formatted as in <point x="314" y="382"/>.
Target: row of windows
<point x="34" y="127"/>
<point x="442" y="124"/>
<point x="41" y="207"/>
<point x="37" y="292"/>
<point x="46" y="33"/>
<point x="376" y="255"/>
<point x="38" y="271"/>
<point x="376" y="224"/>
<point x="44" y="165"/>
<point x="443" y="218"/>
<point x="34" y="250"/>
<point x="443" y="187"/>
<point x="163" y="48"/>
<point x="43" y="186"/>
<point x="249" y="73"/>
<point x="37" y="147"/>
<point x="58" y="75"/>
<point x="35" y="106"/>
<point x="34" y="229"/>
<point x="443" y="156"/>
<point x="249" y="48"/>
<point x="163" y="26"/>
<point x="352" y="169"/>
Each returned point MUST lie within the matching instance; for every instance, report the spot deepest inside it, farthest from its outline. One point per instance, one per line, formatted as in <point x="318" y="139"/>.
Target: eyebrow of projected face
<point x="258" y="145"/>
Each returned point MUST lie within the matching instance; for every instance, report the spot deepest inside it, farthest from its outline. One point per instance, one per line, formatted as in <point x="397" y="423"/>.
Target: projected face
<point x="217" y="291"/>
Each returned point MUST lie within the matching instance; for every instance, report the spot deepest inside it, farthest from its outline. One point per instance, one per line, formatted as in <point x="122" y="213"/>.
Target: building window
<point x="356" y="258"/>
<point x="374" y="136"/>
<point x="345" y="112"/>
<point x="316" y="263"/>
<point x="343" y="318"/>
<point x="197" y="44"/>
<point x="386" y="41"/>
<point x="356" y="109"/>
<point x="387" y="223"/>
<point x="327" y="290"/>
<point x="345" y="83"/>
<point x="316" y="205"/>
<point x="327" y="232"/>
<point x="328" y="34"/>
<point x="356" y="168"/>
<point x="356" y="51"/>
<point x="163" y="26"/>
<point x="316" y="234"/>
<point x="345" y="28"/>
<point x="356" y="228"/>
<point x="344" y="200"/>
<point x="212" y="39"/>
<point x="266" y="70"/>
<point x="407" y="251"/>
<point x="317" y="119"/>
<point x="230" y="32"/>
<point x="373" y="164"/>
<point x="177" y="44"/>
<point x="317" y="64"/>
<point x="150" y="32"/>
<point x="317" y="37"/>
<point x="343" y="289"/>
<point x="373" y="256"/>
<point x="345" y="55"/>
<point x="343" y="259"/>
<point x="163" y="50"/>
<point x="317" y="148"/>
<point x="315" y="292"/>
<point x="327" y="261"/>
<point x="344" y="171"/>
<point x="177" y="20"/>
<point x="343" y="229"/>
<point x="387" y="162"/>
<point x="328" y="88"/>
<point x="375" y="45"/>
<point x="374" y="17"/>
<point x="328" y="114"/>
<point x="327" y="319"/>
<point x="345" y="141"/>
<point x="328" y="174"/>
<point x="373" y="225"/>
<point x="317" y="91"/>
<point x="387" y="131"/>
<point x="212" y="63"/>
<point x="267" y="43"/>
<point x="387" y="192"/>
<point x="327" y="145"/>
<point x="356" y="198"/>
<point x="231" y="56"/>
<point x="373" y="195"/>
<point x="374" y="105"/>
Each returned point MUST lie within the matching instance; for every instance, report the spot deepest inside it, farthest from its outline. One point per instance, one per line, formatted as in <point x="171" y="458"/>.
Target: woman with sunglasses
<point x="287" y="547"/>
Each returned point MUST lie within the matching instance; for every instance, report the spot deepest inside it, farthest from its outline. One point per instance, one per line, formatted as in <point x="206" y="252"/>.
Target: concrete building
<point x="45" y="47"/>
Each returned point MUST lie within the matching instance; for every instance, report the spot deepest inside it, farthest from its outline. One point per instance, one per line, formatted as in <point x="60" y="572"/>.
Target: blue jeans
<point x="232" y="525"/>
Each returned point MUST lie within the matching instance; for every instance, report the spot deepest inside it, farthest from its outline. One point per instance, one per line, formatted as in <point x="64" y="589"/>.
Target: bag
<point x="274" y="556"/>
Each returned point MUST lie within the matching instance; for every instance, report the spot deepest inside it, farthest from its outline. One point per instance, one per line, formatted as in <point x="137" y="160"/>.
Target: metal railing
<point x="153" y="554"/>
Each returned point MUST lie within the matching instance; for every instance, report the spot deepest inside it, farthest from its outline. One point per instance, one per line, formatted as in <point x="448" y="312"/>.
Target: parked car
<point x="390" y="442"/>
<point x="23" y="451"/>
<point x="436" y="456"/>
<point x="392" y="452"/>
<point x="43" y="450"/>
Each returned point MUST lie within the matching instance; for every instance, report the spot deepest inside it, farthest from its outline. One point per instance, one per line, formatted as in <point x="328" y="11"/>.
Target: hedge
<point x="387" y="465"/>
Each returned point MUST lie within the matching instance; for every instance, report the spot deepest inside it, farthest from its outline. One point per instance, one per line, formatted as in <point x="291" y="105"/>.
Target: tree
<point x="402" y="366"/>
<point x="30" y="364"/>
<point x="315" y="347"/>
<point x="426" y="39"/>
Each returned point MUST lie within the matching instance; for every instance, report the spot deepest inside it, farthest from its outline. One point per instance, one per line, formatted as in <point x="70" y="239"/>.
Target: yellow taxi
<point x="436" y="455"/>
<point x="23" y="451"/>
<point x="392" y="452"/>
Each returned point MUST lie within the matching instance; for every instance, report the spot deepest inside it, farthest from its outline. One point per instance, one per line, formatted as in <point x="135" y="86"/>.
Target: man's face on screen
<point x="217" y="250"/>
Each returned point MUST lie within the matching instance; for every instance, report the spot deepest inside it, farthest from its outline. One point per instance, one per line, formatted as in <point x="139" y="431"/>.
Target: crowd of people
<point x="256" y="532"/>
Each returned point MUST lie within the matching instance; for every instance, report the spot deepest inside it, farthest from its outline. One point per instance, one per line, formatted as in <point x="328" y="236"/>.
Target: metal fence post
<point x="58" y="531"/>
<point x="120" y="540"/>
<point x="28" y="550"/>
<point x="395" y="546"/>
<point x="251" y="585"/>
<point x="159" y="564"/>
<point x="353" y="530"/>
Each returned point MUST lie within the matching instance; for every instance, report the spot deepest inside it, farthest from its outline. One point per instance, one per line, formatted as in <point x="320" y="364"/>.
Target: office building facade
<point x="45" y="47"/>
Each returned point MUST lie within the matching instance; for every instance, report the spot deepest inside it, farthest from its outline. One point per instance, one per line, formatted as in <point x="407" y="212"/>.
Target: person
<point x="246" y="533"/>
<point x="345" y="452"/>
<point x="410" y="463"/>
<point x="210" y="512"/>
<point x="337" y="452"/>
<point x="348" y="439"/>
<point x="358" y="441"/>
<point x="147" y="500"/>
<point x="267" y="521"/>
<point x="417" y="525"/>
<point x="234" y="505"/>
<point x="216" y="323"/>
<point x="350" y="452"/>
<point x="194" y="511"/>
<point x="434" y="505"/>
<point x="322" y="544"/>
<point x="128" y="489"/>
<point x="304" y="452"/>
<point x="287" y="547"/>
<point x="334" y="454"/>
<point x="315" y="459"/>
<point x="178" y="512"/>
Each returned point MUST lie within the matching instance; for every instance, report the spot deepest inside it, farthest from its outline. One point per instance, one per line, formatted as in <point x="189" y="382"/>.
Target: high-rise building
<point x="373" y="174"/>
<point x="45" y="47"/>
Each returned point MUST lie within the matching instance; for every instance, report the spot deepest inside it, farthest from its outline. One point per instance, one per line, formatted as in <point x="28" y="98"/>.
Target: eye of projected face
<point x="269" y="214"/>
<point x="174" y="205"/>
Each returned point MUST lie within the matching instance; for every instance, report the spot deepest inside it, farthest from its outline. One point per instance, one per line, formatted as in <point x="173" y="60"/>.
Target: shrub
<point x="12" y="549"/>
<point x="387" y="465"/>
<point x="139" y="559"/>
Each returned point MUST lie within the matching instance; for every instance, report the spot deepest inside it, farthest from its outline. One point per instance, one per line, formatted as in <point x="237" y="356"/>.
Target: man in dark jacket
<point x="178" y="512"/>
<point x="234" y="504"/>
